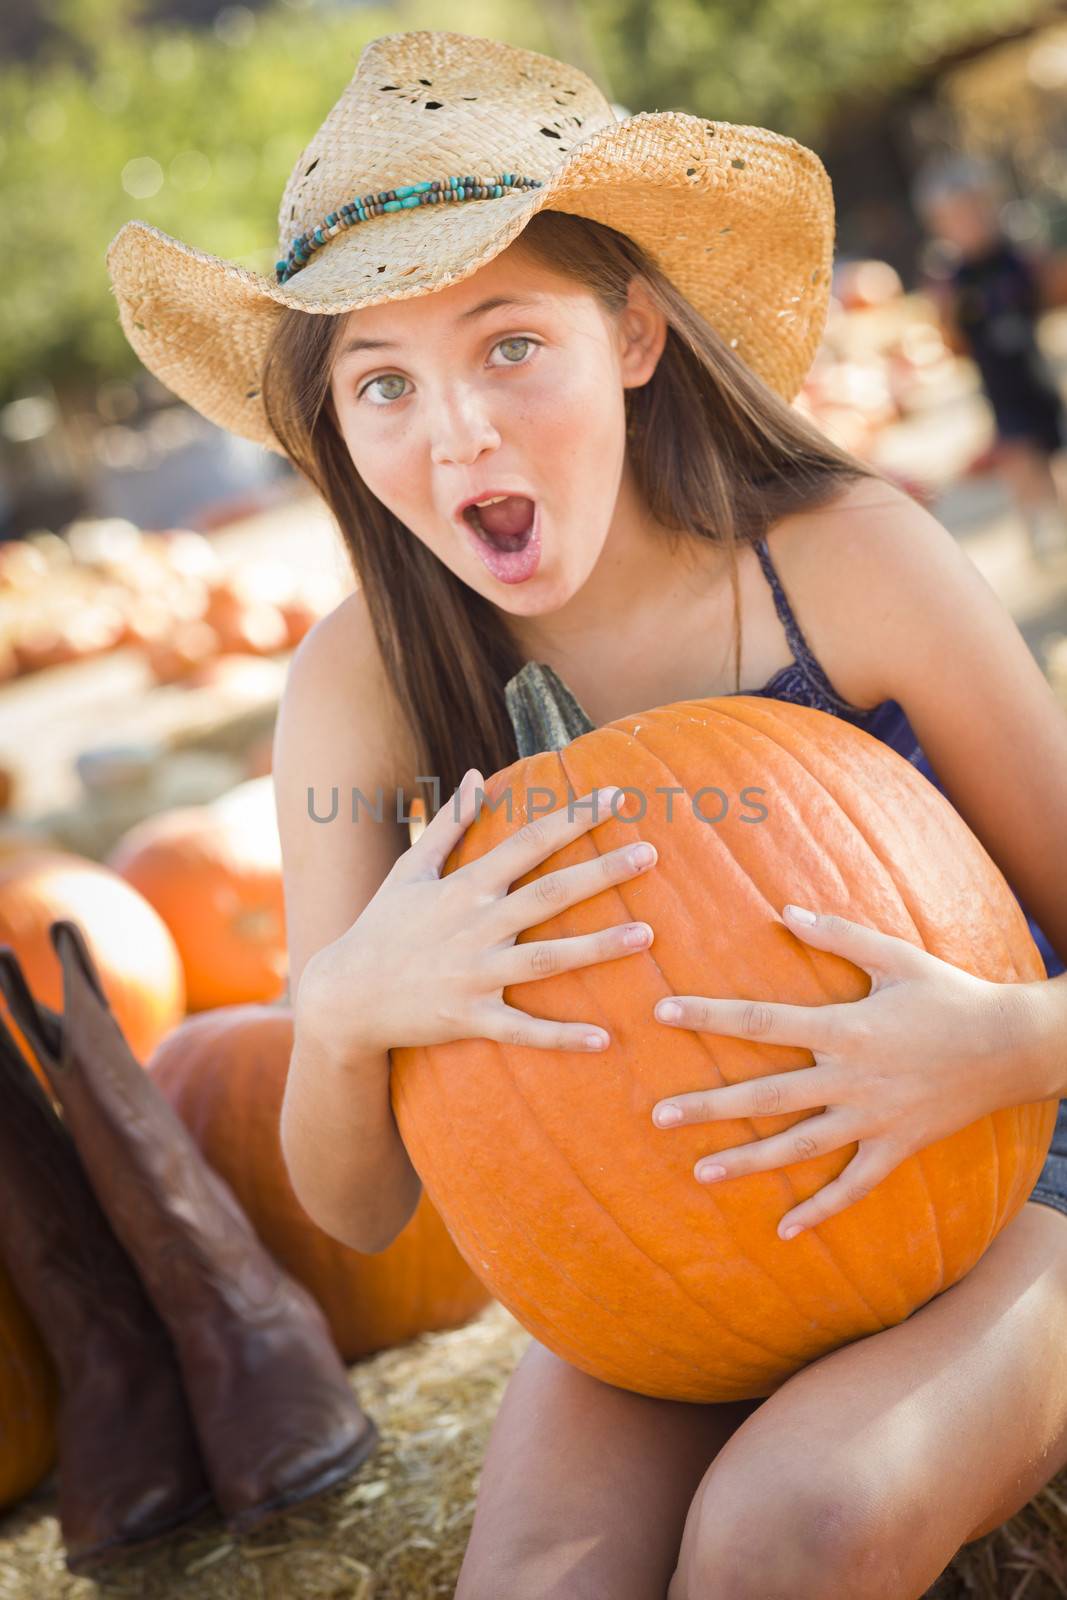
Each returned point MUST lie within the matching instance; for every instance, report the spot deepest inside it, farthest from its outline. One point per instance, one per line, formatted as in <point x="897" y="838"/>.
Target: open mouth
<point x="506" y="523"/>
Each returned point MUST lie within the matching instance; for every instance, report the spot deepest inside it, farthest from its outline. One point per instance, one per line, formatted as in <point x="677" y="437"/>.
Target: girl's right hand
<point x="427" y="959"/>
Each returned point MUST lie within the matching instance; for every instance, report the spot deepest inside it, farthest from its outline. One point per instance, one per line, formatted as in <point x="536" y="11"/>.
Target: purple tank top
<point x="804" y="683"/>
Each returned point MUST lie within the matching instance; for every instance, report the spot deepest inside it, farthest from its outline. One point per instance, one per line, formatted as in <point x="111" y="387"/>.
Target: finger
<point x="555" y="891"/>
<point x="871" y="1163"/>
<point x="815" y="1028"/>
<point x="446" y="827"/>
<point x="802" y="1142"/>
<point x="540" y="958"/>
<point x="541" y="837"/>
<point x="876" y="952"/>
<point x="508" y="1025"/>
<point x="783" y="1092"/>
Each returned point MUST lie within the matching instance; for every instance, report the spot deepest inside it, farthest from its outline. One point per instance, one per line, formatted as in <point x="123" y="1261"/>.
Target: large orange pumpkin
<point x="224" y="1073"/>
<point x="29" y="1398"/>
<point x="583" y="1217"/>
<point x="214" y="874"/>
<point x="135" y="955"/>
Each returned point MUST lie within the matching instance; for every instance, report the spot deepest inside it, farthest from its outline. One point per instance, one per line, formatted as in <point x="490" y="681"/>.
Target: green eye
<point x="388" y="377"/>
<point x="516" y="350"/>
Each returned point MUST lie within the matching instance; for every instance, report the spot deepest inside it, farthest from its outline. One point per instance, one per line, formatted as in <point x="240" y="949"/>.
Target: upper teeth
<point x="492" y="500"/>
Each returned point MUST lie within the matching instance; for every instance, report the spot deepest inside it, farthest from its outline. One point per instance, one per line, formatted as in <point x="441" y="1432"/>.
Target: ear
<point x="642" y="329"/>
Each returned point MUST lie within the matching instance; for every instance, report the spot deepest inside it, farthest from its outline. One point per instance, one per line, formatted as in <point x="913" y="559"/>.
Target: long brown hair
<point x="715" y="452"/>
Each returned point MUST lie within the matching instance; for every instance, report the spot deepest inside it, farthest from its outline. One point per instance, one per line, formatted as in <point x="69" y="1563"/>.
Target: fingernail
<point x="666" y="1116"/>
<point x="595" y="1041"/>
<point x="642" y="855"/>
<point x="668" y="1011"/>
<point x="635" y="936"/>
<point x="791" y="1233"/>
<point x="799" y="914"/>
<point x="708" y="1172"/>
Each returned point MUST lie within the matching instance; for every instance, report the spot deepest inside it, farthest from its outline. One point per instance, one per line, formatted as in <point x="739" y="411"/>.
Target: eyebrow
<point x="351" y="346"/>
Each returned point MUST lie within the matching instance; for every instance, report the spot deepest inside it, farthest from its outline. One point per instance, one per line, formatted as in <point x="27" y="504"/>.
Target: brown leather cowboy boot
<point x="129" y="1465"/>
<point x="270" y="1399"/>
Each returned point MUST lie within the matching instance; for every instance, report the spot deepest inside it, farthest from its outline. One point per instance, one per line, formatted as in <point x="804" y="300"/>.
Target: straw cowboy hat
<point x="437" y="154"/>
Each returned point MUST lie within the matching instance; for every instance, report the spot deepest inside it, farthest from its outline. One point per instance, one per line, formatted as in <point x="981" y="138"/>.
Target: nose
<point x="461" y="429"/>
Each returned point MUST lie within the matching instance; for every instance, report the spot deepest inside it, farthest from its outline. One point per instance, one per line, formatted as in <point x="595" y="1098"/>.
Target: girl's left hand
<point x="928" y="1051"/>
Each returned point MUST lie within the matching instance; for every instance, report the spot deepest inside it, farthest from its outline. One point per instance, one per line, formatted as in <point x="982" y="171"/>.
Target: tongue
<point x="507" y="519"/>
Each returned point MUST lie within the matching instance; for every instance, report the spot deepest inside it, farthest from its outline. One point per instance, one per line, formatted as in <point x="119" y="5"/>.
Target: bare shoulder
<point x="338" y="685"/>
<point x="342" y="642"/>
<point x="848" y="569"/>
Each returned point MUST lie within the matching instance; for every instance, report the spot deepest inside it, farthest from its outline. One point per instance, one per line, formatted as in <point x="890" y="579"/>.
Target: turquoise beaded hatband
<point x="709" y="201"/>
<point x="432" y="191"/>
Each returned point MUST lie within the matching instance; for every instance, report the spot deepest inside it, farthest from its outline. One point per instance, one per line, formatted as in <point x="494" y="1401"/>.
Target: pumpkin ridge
<point x="798" y="821"/>
<point x="702" y="1040"/>
<point x="792" y="759"/>
<point x="948" y="813"/>
<point x="843" y="782"/>
<point x="780" y="1172"/>
<point x="918" y="923"/>
<point x="635" y="1244"/>
<point x="873" y="861"/>
<point x="557" y="1267"/>
<point x="620" y="888"/>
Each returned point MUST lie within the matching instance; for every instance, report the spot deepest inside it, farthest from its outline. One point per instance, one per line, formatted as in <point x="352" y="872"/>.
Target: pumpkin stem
<point x="544" y="713"/>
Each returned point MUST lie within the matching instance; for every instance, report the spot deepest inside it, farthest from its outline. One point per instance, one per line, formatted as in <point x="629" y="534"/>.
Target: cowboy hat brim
<point x="750" y="245"/>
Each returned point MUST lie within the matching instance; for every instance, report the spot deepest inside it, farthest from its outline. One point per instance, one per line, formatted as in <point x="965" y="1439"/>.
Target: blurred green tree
<point x="782" y="64"/>
<point x="195" y="130"/>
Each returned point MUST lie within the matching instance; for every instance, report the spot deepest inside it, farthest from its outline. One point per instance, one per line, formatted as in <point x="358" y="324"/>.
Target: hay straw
<point x="399" y="1529"/>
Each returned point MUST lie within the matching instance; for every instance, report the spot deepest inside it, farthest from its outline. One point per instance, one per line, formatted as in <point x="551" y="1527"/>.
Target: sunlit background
<point x="156" y="573"/>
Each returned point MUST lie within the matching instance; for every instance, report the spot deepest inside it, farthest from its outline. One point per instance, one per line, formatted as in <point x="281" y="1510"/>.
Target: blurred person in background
<point x="989" y="302"/>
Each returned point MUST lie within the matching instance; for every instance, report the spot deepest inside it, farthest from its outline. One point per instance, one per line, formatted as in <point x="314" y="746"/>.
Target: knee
<point x="769" y="1539"/>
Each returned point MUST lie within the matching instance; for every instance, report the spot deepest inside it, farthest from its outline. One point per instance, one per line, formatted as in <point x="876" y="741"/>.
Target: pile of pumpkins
<point x="170" y="595"/>
<point x="185" y="920"/>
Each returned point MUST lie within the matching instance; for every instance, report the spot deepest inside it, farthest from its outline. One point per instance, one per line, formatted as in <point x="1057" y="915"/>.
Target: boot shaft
<point x="276" y="1417"/>
<point x="130" y="1463"/>
<point x="190" y="1229"/>
<point x="76" y="1281"/>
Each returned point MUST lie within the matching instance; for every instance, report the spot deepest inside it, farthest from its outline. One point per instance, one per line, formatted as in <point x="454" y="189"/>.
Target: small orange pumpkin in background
<point x="583" y="1217"/>
<point x="214" y="874"/>
<point x="29" y="1400"/>
<point x="137" y="959"/>
<point x="224" y="1073"/>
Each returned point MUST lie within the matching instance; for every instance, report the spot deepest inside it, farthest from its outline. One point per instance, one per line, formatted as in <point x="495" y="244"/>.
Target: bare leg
<point x="868" y="1469"/>
<point x="585" y="1487"/>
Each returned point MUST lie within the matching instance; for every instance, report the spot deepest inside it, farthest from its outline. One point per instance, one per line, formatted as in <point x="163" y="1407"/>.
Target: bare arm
<point x="343" y="1150"/>
<point x="925" y="628"/>
<point x="1044" y="1050"/>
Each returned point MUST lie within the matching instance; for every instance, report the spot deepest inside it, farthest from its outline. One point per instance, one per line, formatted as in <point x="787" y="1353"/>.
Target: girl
<point x="591" y="330"/>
